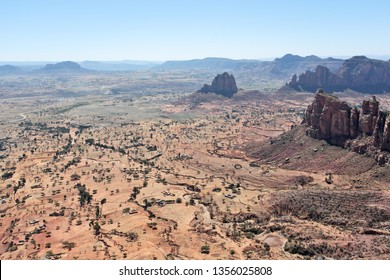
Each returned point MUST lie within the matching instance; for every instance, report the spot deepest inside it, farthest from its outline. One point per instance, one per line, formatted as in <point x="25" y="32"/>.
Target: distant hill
<point x="9" y="69"/>
<point x="67" y="66"/>
<point x="297" y="64"/>
<point x="358" y="73"/>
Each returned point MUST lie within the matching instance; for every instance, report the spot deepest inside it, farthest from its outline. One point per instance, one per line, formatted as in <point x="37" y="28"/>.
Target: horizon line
<point x="129" y="61"/>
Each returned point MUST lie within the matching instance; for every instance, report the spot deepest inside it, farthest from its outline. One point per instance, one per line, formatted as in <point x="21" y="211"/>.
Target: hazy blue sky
<point x="162" y="30"/>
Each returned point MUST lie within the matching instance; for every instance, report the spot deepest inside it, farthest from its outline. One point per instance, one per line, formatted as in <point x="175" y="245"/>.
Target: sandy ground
<point x="173" y="184"/>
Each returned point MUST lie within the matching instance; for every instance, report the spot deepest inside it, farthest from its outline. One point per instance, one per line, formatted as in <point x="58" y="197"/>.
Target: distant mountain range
<point x="61" y="67"/>
<point x="295" y="64"/>
<point x="308" y="73"/>
<point x="280" y="68"/>
<point x="209" y="63"/>
<point x="125" y="65"/>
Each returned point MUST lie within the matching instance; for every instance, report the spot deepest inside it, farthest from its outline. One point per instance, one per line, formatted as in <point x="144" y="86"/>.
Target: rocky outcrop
<point x="368" y="117"/>
<point x="329" y="119"/>
<point x="357" y="73"/>
<point x="223" y="84"/>
<point x="364" y="131"/>
<point x="321" y="78"/>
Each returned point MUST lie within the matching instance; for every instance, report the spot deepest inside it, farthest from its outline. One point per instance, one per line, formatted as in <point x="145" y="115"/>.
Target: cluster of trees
<point x="84" y="195"/>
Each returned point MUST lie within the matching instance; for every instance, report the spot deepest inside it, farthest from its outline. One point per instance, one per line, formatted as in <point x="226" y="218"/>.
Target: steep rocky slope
<point x="365" y="130"/>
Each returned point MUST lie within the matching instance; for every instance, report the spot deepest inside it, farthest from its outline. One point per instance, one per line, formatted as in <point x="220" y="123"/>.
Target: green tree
<point x="68" y="245"/>
<point x="205" y="249"/>
<point x="96" y="228"/>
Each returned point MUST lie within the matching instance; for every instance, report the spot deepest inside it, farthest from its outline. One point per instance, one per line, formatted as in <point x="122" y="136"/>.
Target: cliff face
<point x="365" y="131"/>
<point x="329" y="119"/>
<point x="357" y="73"/>
<point x="223" y="84"/>
<point x="366" y="75"/>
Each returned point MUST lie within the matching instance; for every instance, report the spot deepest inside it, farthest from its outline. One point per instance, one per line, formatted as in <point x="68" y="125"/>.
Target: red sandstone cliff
<point x="365" y="131"/>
